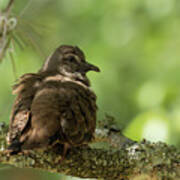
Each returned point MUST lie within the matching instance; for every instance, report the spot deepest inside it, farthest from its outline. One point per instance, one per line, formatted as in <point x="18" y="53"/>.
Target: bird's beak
<point x="90" y="67"/>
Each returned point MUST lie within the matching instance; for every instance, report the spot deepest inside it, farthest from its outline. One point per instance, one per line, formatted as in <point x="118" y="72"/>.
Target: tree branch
<point x="144" y="159"/>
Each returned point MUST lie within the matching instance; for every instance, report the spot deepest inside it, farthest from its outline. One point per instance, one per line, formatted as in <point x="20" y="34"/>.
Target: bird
<point x="56" y="105"/>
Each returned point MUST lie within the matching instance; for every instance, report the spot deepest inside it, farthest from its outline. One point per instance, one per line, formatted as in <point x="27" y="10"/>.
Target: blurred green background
<point x="135" y="43"/>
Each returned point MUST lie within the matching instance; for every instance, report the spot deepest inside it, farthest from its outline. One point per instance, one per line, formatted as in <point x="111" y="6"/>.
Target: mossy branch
<point x="143" y="160"/>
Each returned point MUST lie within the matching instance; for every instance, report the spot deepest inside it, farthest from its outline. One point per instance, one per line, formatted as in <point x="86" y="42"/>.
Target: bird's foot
<point x="65" y="150"/>
<point x="61" y="149"/>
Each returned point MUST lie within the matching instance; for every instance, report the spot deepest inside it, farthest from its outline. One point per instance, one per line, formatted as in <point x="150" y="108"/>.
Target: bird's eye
<point x="71" y="59"/>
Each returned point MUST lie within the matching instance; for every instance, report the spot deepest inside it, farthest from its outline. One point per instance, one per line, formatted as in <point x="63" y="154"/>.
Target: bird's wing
<point x="62" y="111"/>
<point x="78" y="119"/>
<point x="21" y="114"/>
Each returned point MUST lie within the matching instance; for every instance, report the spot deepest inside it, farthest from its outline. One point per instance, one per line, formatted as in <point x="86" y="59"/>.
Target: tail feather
<point x="14" y="147"/>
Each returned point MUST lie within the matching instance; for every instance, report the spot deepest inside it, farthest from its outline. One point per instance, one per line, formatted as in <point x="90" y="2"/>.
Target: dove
<point x="54" y="105"/>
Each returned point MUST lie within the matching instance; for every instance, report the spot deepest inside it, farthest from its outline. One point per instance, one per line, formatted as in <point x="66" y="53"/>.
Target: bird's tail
<point x="14" y="147"/>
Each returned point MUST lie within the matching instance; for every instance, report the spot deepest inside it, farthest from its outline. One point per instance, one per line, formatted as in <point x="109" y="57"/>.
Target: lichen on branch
<point x="139" y="160"/>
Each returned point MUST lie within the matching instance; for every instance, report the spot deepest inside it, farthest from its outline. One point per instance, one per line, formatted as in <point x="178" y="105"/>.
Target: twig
<point x="9" y="6"/>
<point x="13" y="65"/>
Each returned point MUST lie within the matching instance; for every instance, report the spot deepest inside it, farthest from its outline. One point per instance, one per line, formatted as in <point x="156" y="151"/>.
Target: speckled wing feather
<point x="20" y="115"/>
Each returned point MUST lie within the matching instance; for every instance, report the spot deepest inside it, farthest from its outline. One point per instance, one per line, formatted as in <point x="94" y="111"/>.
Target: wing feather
<point x="79" y="120"/>
<point x="25" y="90"/>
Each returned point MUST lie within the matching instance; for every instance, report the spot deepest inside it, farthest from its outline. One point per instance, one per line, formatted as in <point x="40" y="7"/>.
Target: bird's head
<point x="69" y="61"/>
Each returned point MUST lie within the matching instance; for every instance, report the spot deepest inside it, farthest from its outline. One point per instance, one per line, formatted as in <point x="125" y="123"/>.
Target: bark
<point x="129" y="160"/>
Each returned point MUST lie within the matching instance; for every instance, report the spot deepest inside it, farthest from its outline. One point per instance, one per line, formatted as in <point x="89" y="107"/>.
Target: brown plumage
<point x="54" y="105"/>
